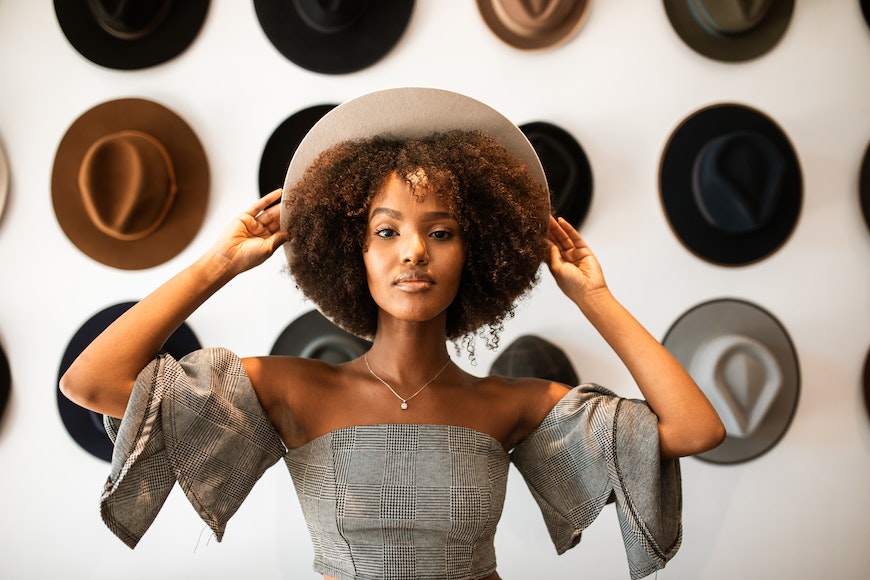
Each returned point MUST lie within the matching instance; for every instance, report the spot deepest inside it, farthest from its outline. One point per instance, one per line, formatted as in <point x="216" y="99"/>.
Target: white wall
<point x="620" y="87"/>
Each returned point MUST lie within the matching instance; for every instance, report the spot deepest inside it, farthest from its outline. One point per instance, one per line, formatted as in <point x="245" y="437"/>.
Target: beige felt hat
<point x="130" y="183"/>
<point x="745" y="362"/>
<point x="534" y="24"/>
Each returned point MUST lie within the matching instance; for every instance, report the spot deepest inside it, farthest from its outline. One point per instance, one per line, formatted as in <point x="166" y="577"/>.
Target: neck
<point x="409" y="354"/>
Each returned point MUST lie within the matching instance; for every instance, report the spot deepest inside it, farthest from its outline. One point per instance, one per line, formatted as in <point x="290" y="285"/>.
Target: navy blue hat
<point x="84" y="425"/>
<point x="730" y="184"/>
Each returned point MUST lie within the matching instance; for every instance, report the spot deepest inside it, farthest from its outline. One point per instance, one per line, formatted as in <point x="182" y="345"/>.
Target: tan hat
<point x="730" y="30"/>
<point x="130" y="183"/>
<point x="534" y="24"/>
<point x="745" y="362"/>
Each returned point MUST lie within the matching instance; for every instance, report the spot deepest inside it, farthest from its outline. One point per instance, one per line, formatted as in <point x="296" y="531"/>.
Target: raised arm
<point x="103" y="375"/>
<point x="688" y="423"/>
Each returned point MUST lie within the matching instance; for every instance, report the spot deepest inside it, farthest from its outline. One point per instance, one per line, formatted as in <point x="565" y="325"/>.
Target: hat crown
<point x="742" y="377"/>
<point x="729" y="16"/>
<point x="334" y="349"/>
<point x="330" y="15"/>
<point x="127" y="183"/>
<point x="129" y="20"/>
<point x="526" y="17"/>
<point x="737" y="181"/>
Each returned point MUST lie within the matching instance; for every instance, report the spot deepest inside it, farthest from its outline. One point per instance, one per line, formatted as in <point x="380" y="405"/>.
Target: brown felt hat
<point x="730" y="30"/>
<point x="534" y="25"/>
<point x="130" y="183"/>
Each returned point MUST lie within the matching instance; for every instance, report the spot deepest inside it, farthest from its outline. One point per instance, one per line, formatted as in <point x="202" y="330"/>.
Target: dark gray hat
<point x="312" y="335"/>
<point x="533" y="356"/>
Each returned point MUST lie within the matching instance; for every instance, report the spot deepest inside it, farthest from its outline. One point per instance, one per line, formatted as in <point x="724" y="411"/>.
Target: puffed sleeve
<point x="593" y="444"/>
<point x="196" y="421"/>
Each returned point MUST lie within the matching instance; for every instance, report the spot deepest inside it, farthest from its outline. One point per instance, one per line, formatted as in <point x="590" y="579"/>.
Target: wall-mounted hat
<point x="283" y="143"/>
<point x="407" y="112"/>
<point x="867" y="383"/>
<point x="5" y="381"/>
<point x="534" y="25"/>
<point x="730" y="184"/>
<point x="337" y="37"/>
<point x="312" y="335"/>
<point x="85" y="426"/>
<point x="567" y="169"/>
<point x="865" y="10"/>
<point x="533" y="356"/>
<point x="4" y="180"/>
<point x="730" y="30"/>
<point x="864" y="186"/>
<point x="130" y="183"/>
<point x="744" y="360"/>
<point x="130" y="35"/>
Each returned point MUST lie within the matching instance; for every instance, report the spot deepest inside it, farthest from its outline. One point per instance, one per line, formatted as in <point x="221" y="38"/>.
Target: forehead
<point x="409" y="193"/>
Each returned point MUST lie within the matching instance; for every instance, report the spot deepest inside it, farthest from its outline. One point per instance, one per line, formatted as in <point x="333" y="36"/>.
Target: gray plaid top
<point x="389" y="501"/>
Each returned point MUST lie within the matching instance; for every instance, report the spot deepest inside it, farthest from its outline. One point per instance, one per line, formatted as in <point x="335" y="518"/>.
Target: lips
<point x="414" y="280"/>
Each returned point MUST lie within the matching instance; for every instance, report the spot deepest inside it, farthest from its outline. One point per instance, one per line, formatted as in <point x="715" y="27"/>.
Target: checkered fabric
<point x="389" y="501"/>
<point x="590" y="445"/>
<point x="406" y="502"/>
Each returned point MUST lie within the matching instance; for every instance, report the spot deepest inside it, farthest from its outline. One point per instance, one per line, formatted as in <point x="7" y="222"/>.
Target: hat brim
<point x="864" y="187"/>
<point x="735" y="47"/>
<point x="86" y="426"/>
<point x="568" y="171"/>
<point x="867" y="383"/>
<point x="283" y="142"/>
<point x="553" y="38"/>
<point x="191" y="171"/>
<point x="358" y="46"/>
<point x="4" y="180"/>
<point x="685" y="217"/>
<point x="177" y="31"/>
<point x="5" y="381"/>
<point x="738" y="317"/>
<point x="312" y="335"/>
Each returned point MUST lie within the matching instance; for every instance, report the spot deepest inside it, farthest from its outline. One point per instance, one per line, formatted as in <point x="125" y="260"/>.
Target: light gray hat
<point x="745" y="362"/>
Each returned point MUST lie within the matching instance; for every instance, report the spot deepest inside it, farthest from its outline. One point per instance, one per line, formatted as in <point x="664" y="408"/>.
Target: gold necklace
<point x="392" y="390"/>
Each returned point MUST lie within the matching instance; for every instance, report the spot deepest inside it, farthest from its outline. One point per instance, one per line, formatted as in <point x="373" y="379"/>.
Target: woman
<point x="400" y="457"/>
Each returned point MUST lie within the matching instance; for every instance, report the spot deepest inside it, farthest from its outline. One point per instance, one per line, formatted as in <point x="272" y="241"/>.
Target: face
<point x="414" y="253"/>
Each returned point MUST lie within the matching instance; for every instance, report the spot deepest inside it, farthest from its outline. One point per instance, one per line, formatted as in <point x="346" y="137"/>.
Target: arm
<point x="103" y="375"/>
<point x="688" y="424"/>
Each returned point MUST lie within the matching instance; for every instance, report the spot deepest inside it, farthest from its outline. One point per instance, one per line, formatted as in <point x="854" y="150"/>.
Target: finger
<point x="264" y="202"/>
<point x="558" y="235"/>
<point x="572" y="233"/>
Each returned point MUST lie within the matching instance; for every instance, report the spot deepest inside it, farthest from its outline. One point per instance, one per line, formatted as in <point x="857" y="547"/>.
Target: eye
<point x="441" y="234"/>
<point x="385" y="232"/>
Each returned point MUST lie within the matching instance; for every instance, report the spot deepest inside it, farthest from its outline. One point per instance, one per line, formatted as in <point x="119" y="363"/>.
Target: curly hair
<point x="500" y="207"/>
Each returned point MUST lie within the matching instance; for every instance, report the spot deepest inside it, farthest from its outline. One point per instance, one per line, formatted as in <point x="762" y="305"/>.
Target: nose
<point x="415" y="250"/>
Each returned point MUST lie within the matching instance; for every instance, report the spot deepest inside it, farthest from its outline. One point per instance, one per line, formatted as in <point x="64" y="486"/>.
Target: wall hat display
<point x="282" y="143"/>
<point x="5" y="180"/>
<point x="567" y="168"/>
<point x="534" y="356"/>
<point x="534" y="25"/>
<point x="745" y="362"/>
<point x="312" y="335"/>
<point x="5" y="381"/>
<point x="83" y="425"/>
<point x="867" y="383"/>
<point x="864" y="186"/>
<point x="130" y="183"/>
<point x="130" y="35"/>
<point x="336" y="37"/>
<point x="730" y="30"/>
<point x="865" y="10"/>
<point x="730" y="184"/>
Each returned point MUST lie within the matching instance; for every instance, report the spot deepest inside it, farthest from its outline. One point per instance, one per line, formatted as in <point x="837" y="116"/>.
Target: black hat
<point x="864" y="186"/>
<point x="312" y="335"/>
<point x="5" y="381"/>
<point x="130" y="35"/>
<point x="84" y="425"/>
<point x="730" y="30"/>
<point x="533" y="356"/>
<point x="283" y="143"/>
<point x="730" y="184"/>
<point x="865" y="10"/>
<point x="566" y="167"/>
<point x="867" y="383"/>
<point x="336" y="37"/>
<point x="745" y="362"/>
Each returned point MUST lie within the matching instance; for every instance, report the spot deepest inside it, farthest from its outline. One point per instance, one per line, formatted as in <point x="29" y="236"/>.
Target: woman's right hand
<point x="252" y="236"/>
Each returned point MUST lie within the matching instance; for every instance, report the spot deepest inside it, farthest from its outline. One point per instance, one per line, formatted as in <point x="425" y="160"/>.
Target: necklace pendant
<point x="404" y="405"/>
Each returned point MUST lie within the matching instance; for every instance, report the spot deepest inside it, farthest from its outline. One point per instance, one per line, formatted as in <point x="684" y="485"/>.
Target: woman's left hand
<point x="572" y="263"/>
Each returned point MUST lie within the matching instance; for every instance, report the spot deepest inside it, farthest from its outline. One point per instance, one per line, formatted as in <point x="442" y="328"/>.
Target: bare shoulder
<point x="531" y="398"/>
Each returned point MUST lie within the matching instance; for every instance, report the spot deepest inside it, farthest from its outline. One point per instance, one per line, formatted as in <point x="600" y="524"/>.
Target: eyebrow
<point x="429" y="216"/>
